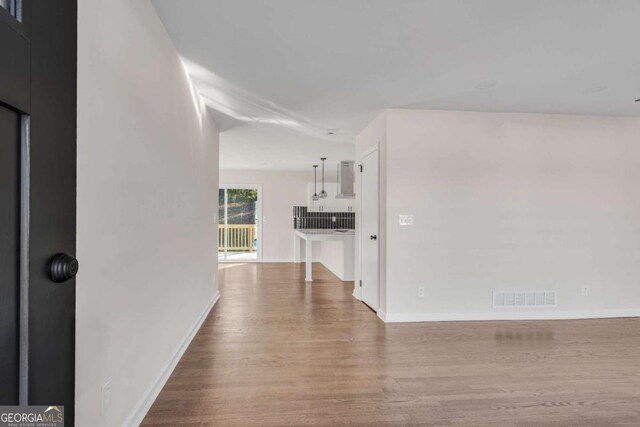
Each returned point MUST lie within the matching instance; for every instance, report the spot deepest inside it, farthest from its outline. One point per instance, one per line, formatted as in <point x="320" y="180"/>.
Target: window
<point x="238" y="224"/>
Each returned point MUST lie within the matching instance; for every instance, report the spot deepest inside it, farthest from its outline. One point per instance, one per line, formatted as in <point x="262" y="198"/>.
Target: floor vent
<point x="524" y="299"/>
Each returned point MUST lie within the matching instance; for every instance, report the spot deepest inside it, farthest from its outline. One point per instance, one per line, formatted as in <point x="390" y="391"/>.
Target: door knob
<point x="63" y="267"/>
<point x="373" y="237"/>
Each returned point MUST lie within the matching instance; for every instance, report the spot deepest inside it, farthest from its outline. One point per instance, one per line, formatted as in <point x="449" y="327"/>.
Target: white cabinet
<point x="346" y="205"/>
<point x="330" y="203"/>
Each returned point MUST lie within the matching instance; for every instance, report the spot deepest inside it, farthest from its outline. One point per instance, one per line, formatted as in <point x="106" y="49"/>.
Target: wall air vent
<point x="523" y="299"/>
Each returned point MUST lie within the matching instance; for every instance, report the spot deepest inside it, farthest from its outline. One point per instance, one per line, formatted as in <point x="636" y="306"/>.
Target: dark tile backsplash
<point x="305" y="219"/>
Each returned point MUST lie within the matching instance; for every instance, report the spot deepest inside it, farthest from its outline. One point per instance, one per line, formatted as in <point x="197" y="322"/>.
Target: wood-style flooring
<point x="275" y="351"/>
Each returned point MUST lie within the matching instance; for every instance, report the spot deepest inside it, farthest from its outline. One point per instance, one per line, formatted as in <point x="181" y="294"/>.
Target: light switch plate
<point x="406" y="219"/>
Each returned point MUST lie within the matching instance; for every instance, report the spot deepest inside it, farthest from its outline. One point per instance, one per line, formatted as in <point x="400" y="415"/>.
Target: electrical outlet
<point x="107" y="397"/>
<point x="420" y="291"/>
<point x="584" y="291"/>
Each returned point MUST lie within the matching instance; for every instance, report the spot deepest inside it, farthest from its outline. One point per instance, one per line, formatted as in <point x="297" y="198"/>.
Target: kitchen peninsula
<point x="338" y="250"/>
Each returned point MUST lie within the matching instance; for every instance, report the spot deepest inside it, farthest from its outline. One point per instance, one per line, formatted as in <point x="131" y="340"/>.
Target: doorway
<point x="369" y="229"/>
<point x="38" y="41"/>
<point x="239" y="225"/>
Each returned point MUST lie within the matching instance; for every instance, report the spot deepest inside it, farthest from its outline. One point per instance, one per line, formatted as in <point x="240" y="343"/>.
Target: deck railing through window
<point x="241" y="237"/>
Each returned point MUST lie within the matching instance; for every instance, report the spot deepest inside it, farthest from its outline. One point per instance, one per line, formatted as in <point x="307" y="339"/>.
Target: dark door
<point x="37" y="210"/>
<point x="9" y="254"/>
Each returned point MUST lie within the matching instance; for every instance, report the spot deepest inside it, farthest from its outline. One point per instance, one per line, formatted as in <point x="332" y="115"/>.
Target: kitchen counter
<point x="312" y="232"/>
<point x="341" y="264"/>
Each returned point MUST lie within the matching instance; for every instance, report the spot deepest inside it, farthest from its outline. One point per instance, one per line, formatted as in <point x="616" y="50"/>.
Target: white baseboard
<point x="507" y="315"/>
<point x="382" y="315"/>
<point x="357" y="293"/>
<point x="265" y="260"/>
<point x="140" y="410"/>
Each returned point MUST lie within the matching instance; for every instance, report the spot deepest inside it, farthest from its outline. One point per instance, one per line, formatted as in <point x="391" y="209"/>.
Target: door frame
<point x="357" y="288"/>
<point x="257" y="187"/>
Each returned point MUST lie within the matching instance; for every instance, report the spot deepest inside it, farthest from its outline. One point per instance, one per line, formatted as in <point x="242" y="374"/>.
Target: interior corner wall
<point x="375" y="134"/>
<point x="281" y="191"/>
<point x="146" y="205"/>
<point x="512" y="202"/>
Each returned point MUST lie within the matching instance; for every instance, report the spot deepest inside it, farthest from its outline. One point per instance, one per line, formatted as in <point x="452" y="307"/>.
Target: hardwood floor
<point x="276" y="351"/>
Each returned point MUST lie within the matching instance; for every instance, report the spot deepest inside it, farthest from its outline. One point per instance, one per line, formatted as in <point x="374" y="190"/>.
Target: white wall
<point x="331" y="254"/>
<point x="281" y="191"/>
<point x="511" y="202"/>
<point x="147" y="199"/>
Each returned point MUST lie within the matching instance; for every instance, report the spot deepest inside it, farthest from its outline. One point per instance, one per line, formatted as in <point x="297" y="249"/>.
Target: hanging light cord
<point x="315" y="182"/>
<point x="323" y="193"/>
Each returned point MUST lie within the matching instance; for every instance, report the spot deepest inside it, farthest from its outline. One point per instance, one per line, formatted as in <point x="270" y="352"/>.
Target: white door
<point x="369" y="228"/>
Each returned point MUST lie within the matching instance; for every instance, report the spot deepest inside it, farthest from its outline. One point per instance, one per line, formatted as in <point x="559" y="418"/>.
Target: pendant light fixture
<point x="323" y="194"/>
<point x="315" y="196"/>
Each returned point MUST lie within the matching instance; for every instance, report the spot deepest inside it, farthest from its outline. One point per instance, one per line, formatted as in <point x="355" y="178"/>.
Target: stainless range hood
<point x="346" y="180"/>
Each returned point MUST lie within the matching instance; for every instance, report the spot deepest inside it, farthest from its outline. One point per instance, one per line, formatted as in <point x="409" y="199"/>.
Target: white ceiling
<point x="280" y="73"/>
